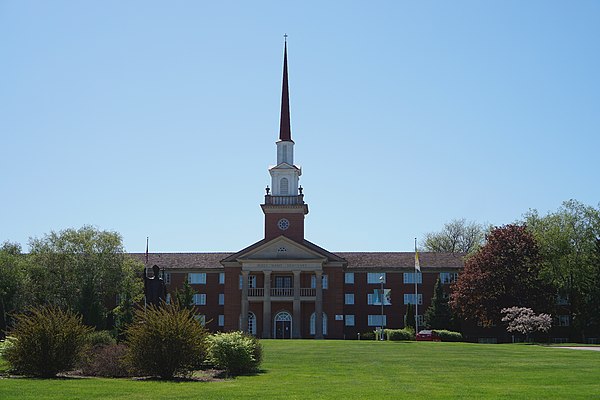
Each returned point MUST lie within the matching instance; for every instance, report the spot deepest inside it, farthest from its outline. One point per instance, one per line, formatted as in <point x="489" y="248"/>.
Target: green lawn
<point x="303" y="369"/>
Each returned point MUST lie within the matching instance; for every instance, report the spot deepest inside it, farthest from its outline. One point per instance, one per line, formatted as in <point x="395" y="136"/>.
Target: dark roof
<point x="183" y="260"/>
<point x="356" y="260"/>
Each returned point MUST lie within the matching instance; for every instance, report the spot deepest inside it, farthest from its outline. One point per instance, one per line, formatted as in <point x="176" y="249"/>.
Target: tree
<point x="439" y="314"/>
<point x="502" y="273"/>
<point x="457" y="236"/>
<point x="12" y="281"/>
<point x="185" y="297"/>
<point x="83" y="269"/>
<point x="409" y="317"/>
<point x="525" y="321"/>
<point x="568" y="240"/>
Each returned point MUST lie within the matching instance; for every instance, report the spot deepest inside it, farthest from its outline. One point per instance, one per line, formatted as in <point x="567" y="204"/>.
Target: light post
<point x="381" y="300"/>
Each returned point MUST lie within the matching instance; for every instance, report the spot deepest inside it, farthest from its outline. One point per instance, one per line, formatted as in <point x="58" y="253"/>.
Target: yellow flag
<point x="417" y="266"/>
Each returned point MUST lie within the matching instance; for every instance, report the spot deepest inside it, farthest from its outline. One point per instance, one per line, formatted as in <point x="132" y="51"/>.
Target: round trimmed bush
<point x="165" y="341"/>
<point x="47" y="341"/>
<point x="235" y="352"/>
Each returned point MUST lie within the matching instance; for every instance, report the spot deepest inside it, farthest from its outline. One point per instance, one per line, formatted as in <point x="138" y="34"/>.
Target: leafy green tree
<point x="457" y="236"/>
<point x="185" y="296"/>
<point x="12" y="283"/>
<point x="83" y="269"/>
<point x="504" y="272"/>
<point x="439" y="314"/>
<point x="409" y="317"/>
<point x="568" y="242"/>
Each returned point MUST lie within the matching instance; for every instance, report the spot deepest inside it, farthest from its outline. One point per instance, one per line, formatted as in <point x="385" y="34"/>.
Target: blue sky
<point x="159" y="119"/>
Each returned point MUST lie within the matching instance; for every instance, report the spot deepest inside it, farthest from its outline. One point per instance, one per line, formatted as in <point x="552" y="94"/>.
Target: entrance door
<point x="283" y="325"/>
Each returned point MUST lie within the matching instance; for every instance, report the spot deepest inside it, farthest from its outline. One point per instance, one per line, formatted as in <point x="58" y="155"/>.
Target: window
<point x="200" y="299"/>
<point x="373" y="277"/>
<point x="284" y="187"/>
<point x="562" y="299"/>
<point x="167" y="278"/>
<point x="168" y="299"/>
<point x="313" y="319"/>
<point x="448" y="277"/>
<point x="313" y="281"/>
<point x="349" y="278"/>
<point x="375" y="320"/>
<point x="410" y="298"/>
<point x="251" y="281"/>
<point x="420" y="319"/>
<point x="409" y="277"/>
<point x="201" y="319"/>
<point x="562" y="320"/>
<point x="197" y="278"/>
<point x="373" y="299"/>
<point x="349" y="298"/>
<point x="221" y="278"/>
<point x="221" y="320"/>
<point x="349" y="319"/>
<point x="221" y="299"/>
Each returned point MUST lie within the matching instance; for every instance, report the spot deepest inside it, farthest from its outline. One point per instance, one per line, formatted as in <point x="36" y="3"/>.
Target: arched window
<point x="284" y="187"/>
<point x="251" y="323"/>
<point x="313" y="320"/>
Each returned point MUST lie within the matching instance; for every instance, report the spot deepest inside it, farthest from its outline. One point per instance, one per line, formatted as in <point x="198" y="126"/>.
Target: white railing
<point x="308" y="292"/>
<point x="282" y="292"/>
<point x="256" y="292"/>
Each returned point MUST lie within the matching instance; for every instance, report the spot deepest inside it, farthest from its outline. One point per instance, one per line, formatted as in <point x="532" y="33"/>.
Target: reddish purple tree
<point x="505" y="272"/>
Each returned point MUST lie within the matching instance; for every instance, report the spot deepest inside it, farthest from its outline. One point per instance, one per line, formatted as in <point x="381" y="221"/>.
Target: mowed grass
<point x="308" y="369"/>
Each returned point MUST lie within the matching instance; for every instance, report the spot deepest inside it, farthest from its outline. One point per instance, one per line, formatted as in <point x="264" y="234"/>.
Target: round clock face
<point x="283" y="224"/>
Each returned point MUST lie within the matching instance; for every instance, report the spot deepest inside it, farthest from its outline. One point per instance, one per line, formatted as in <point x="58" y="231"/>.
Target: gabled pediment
<point x="281" y="248"/>
<point x="284" y="166"/>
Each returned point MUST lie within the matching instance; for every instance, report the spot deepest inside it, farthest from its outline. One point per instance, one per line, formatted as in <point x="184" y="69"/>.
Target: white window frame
<point x="448" y="277"/>
<point x="349" y="298"/>
<point x="201" y="318"/>
<point x="199" y="299"/>
<point x="251" y="281"/>
<point x="313" y="321"/>
<point x="324" y="281"/>
<point x="409" y="277"/>
<point x="373" y="277"/>
<point x="372" y="300"/>
<point x="197" y="278"/>
<point x="349" y="320"/>
<point x="563" y="320"/>
<point x="221" y="299"/>
<point x="167" y="277"/>
<point x="409" y="298"/>
<point x="349" y="278"/>
<point x="375" y="320"/>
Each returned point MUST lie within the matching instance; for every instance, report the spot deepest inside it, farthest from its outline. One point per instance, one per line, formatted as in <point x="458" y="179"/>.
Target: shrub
<point x="235" y="352"/>
<point x="449" y="336"/>
<point x="400" y="334"/>
<point x="165" y="341"/>
<point x="100" y="338"/>
<point x="9" y="341"/>
<point x="107" y="361"/>
<point x="367" y="336"/>
<point x="48" y="341"/>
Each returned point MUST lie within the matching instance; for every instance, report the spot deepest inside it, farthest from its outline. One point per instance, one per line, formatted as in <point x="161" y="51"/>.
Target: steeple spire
<point x="285" y="131"/>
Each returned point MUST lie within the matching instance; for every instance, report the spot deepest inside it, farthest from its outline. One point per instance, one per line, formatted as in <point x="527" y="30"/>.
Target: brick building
<point x="285" y="286"/>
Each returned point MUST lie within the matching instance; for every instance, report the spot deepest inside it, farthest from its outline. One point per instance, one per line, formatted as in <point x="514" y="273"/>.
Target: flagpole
<point x="417" y="269"/>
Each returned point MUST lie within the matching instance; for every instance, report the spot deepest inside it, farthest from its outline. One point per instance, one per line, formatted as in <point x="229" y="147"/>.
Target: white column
<point x="266" y="333"/>
<point x="297" y="315"/>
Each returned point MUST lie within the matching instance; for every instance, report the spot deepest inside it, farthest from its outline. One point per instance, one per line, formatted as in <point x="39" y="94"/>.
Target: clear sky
<point x="159" y="118"/>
